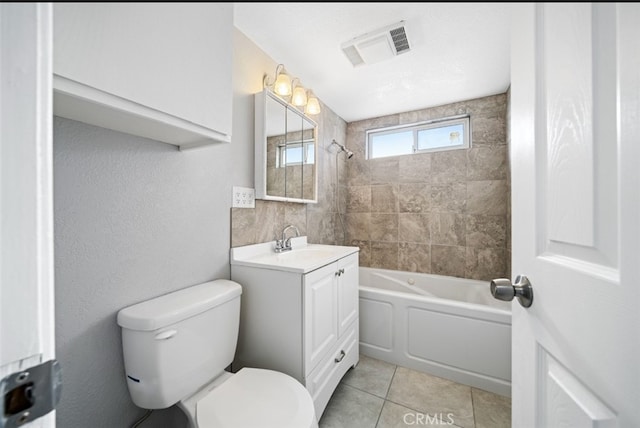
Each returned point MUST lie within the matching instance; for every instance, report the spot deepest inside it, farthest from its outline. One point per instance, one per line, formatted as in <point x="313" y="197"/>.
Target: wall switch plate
<point x="243" y="197"/>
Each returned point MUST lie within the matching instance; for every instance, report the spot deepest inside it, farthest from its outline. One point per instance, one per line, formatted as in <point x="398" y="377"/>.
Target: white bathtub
<point x="448" y="327"/>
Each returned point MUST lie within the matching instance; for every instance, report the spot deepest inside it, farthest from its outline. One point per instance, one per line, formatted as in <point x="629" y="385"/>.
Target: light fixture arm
<point x="265" y="78"/>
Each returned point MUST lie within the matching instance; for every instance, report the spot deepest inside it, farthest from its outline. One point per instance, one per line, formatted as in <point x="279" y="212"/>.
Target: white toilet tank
<point x="176" y="343"/>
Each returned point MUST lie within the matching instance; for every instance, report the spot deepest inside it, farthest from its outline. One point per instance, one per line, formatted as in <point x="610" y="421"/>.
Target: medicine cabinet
<point x="285" y="151"/>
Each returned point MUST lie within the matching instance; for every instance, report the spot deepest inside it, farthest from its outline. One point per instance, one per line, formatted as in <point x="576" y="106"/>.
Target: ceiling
<point x="458" y="51"/>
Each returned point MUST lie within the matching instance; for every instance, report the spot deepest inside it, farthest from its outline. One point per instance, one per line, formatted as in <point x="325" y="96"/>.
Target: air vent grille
<point x="378" y="45"/>
<point x="400" y="41"/>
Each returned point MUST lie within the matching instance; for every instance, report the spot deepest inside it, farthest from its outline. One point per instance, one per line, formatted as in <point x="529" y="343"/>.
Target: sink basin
<point x="302" y="258"/>
<point x="308" y="253"/>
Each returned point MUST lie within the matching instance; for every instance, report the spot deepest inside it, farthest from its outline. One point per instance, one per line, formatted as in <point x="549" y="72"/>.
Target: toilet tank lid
<point x="179" y="305"/>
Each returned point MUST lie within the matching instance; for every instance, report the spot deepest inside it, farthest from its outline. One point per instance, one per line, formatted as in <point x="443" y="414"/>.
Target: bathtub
<point x="448" y="327"/>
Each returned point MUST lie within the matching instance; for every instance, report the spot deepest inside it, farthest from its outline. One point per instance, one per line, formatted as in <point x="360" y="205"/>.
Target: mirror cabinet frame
<point x="272" y="136"/>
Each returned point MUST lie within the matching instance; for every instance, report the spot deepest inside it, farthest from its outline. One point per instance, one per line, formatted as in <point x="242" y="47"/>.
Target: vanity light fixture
<point x="282" y="84"/>
<point x="292" y="92"/>
<point x="299" y="95"/>
<point x="313" y="106"/>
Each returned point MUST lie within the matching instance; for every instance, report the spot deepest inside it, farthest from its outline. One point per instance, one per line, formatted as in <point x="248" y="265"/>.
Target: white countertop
<point x="302" y="258"/>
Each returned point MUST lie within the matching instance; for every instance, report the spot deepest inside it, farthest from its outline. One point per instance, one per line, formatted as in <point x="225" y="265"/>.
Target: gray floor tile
<point x="371" y="375"/>
<point x="396" y="416"/>
<point x="413" y="399"/>
<point x="432" y="395"/>
<point x="351" y="408"/>
<point x="491" y="410"/>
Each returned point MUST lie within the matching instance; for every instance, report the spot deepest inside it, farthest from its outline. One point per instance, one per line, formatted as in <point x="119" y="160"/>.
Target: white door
<point x="575" y="155"/>
<point x="26" y="214"/>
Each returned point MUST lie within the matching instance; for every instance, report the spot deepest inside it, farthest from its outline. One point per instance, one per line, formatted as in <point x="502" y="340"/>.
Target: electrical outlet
<point x="243" y="197"/>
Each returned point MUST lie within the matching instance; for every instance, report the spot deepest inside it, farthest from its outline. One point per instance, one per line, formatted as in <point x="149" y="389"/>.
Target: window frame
<point x="464" y="119"/>
<point x="281" y="155"/>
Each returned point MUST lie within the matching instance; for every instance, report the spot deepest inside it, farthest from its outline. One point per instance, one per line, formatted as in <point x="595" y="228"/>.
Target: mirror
<point x="285" y="151"/>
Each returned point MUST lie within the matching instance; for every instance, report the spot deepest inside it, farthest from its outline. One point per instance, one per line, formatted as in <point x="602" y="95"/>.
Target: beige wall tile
<point x="487" y="197"/>
<point x="487" y="163"/>
<point x="449" y="166"/>
<point x="384" y="227"/>
<point x="384" y="255"/>
<point x="414" y="257"/>
<point x="448" y="229"/>
<point x="322" y="228"/>
<point x="358" y="172"/>
<point x="447" y="260"/>
<point x="385" y="170"/>
<point x="414" y="197"/>
<point x="384" y="198"/>
<point x="415" y="168"/>
<point x="243" y="226"/>
<point x="485" y="231"/>
<point x="450" y="197"/>
<point x="414" y="228"/>
<point x="485" y="263"/>
<point x="488" y="130"/>
<point x="364" y="256"/>
<point x="358" y="226"/>
<point x="358" y="199"/>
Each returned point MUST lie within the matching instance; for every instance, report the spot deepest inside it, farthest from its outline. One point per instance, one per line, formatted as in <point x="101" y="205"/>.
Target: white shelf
<point x="74" y="100"/>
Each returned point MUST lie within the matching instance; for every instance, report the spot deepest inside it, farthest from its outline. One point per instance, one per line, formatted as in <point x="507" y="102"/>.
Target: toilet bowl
<point x="176" y="348"/>
<point x="252" y="398"/>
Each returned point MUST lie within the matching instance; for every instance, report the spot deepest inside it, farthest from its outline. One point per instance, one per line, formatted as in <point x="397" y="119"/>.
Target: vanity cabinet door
<point x="320" y="313"/>
<point x="348" y="283"/>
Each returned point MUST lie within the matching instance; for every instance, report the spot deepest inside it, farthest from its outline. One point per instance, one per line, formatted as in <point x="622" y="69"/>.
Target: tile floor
<point x="376" y="394"/>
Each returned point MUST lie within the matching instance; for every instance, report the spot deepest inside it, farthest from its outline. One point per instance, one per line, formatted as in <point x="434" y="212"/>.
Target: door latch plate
<point x="29" y="394"/>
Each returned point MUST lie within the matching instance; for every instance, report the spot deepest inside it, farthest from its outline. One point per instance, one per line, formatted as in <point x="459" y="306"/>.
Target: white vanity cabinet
<point x="304" y="324"/>
<point x="156" y="70"/>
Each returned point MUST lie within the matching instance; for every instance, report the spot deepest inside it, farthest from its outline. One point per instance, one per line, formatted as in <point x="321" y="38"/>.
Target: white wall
<point x="134" y="219"/>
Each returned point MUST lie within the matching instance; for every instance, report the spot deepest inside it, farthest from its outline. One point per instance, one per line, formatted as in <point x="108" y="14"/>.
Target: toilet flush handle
<point x="167" y="334"/>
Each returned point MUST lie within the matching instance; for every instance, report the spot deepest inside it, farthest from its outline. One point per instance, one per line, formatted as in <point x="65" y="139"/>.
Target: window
<point x="296" y="154"/>
<point x="443" y="134"/>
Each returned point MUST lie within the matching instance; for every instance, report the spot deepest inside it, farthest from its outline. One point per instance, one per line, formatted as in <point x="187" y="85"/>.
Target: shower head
<point x="343" y="149"/>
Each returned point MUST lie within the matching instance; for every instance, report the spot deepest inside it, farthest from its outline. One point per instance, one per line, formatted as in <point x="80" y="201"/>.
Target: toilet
<point x="176" y="348"/>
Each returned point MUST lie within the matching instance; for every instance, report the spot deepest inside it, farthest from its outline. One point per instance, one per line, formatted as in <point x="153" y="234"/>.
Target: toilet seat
<point x="257" y="398"/>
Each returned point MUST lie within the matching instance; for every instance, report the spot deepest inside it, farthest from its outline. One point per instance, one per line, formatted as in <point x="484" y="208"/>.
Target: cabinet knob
<point x="342" y="354"/>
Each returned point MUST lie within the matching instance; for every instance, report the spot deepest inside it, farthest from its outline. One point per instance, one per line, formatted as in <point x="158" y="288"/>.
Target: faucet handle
<point x="279" y="244"/>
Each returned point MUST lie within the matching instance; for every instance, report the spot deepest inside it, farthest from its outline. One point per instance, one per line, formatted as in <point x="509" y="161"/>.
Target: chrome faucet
<point x="284" y="244"/>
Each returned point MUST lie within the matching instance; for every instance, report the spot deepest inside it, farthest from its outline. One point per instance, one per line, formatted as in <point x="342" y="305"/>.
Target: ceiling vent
<point x="377" y="45"/>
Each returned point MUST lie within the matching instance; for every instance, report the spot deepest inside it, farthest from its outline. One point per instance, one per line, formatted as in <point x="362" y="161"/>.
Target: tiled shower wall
<point x="444" y="212"/>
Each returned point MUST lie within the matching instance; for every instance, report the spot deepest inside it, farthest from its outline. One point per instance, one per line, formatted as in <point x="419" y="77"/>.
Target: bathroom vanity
<point x="299" y="312"/>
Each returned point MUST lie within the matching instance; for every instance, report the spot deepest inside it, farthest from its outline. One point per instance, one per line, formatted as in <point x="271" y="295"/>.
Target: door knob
<point x="502" y="289"/>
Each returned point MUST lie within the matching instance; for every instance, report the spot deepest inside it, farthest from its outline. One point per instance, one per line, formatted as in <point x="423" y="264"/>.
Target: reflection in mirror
<point x="293" y="159"/>
<point x="276" y="126"/>
<point x="309" y="166"/>
<point x="285" y="151"/>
